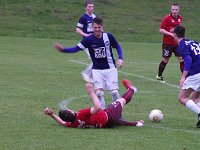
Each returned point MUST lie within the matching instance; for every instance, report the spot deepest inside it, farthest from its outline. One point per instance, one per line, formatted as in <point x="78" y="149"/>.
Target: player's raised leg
<point x="184" y="98"/>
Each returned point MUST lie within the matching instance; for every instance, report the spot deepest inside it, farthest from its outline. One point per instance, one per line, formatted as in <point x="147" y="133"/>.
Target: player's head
<point x="67" y="115"/>
<point x="175" y="9"/>
<point x="97" y="26"/>
<point x="89" y="6"/>
<point x="179" y="33"/>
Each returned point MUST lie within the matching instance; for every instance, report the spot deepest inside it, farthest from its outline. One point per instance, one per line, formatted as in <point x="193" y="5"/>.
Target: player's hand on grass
<point x="120" y="63"/>
<point x="58" y="47"/>
<point x="89" y="87"/>
<point x="48" y="111"/>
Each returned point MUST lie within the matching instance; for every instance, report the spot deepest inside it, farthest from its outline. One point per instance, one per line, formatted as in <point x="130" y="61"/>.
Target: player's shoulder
<point x="83" y="17"/>
<point x="94" y="16"/>
<point x="167" y="17"/>
<point x="108" y="33"/>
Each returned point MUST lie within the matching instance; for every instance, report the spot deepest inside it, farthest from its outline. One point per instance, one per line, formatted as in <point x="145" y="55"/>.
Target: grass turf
<point x="34" y="76"/>
<point x="130" y="20"/>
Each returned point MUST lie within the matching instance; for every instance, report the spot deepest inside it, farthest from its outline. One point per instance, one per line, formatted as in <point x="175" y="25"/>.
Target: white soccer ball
<point x="156" y="115"/>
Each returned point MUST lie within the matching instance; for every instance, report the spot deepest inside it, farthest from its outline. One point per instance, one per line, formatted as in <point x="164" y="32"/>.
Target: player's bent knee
<point x="122" y="101"/>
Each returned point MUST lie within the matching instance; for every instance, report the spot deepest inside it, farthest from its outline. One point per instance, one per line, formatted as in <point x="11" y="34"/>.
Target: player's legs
<point x="130" y="90"/>
<point x="112" y="83"/>
<point x="99" y="85"/>
<point x="87" y="73"/>
<point x="100" y="95"/>
<point x="189" y="91"/>
<point x="114" y="110"/>
<point x="166" y="54"/>
<point x="195" y="96"/>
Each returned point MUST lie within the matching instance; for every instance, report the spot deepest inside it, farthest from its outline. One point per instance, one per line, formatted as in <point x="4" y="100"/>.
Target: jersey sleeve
<point x="83" y="44"/>
<point x="81" y="23"/>
<point x="164" y="23"/>
<point x="113" y="41"/>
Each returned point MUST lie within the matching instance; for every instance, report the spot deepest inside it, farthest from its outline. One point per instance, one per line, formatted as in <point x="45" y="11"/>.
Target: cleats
<point x="128" y="85"/>
<point x="160" y="78"/>
<point x="86" y="77"/>
<point x="198" y="124"/>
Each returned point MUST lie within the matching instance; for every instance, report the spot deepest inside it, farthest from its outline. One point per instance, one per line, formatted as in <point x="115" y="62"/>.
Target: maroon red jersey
<point x="84" y="119"/>
<point x="169" y="23"/>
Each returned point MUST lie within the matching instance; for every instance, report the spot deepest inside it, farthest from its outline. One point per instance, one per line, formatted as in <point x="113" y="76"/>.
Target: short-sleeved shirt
<point x="169" y="23"/>
<point x="84" y="119"/>
<point x="85" y="23"/>
<point x="100" y="50"/>
<point x="190" y="48"/>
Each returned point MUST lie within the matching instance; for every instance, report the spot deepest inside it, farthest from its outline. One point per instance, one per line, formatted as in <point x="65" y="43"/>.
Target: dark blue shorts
<point x="168" y="50"/>
<point x="114" y="111"/>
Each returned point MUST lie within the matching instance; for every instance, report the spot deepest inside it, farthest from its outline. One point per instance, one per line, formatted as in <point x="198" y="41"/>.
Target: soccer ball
<point x="156" y="115"/>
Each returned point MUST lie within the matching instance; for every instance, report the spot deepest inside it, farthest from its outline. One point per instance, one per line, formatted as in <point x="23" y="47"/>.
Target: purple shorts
<point x="113" y="111"/>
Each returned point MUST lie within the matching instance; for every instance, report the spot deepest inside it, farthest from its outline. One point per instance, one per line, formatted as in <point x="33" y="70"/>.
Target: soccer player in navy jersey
<point x="84" y="29"/>
<point x="190" y="80"/>
<point x="104" y="69"/>
<point x="169" y="45"/>
<point x="95" y="117"/>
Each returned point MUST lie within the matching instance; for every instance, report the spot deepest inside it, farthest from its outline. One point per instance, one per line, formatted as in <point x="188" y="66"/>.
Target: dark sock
<point x="182" y="66"/>
<point x="126" y="123"/>
<point x="161" y="68"/>
<point x="128" y="95"/>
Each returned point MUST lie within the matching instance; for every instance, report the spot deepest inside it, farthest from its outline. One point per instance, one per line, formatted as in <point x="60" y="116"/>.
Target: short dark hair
<point x="175" y="4"/>
<point x="180" y="31"/>
<point x="67" y="115"/>
<point x="98" y="21"/>
<point x="87" y="2"/>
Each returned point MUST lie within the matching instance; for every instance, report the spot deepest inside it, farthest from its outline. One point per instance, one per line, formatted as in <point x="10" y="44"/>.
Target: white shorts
<point x="106" y="79"/>
<point x="192" y="82"/>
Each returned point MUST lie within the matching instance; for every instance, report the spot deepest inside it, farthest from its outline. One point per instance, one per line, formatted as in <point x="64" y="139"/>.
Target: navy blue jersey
<point x="100" y="50"/>
<point x="190" y="49"/>
<point x="85" y="23"/>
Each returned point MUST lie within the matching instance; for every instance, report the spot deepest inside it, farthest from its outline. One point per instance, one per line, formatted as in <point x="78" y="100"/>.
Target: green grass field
<point x="130" y="20"/>
<point x="33" y="76"/>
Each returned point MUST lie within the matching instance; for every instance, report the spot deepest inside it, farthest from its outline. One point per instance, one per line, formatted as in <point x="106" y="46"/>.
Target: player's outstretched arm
<point x="60" y="48"/>
<point x="49" y="112"/>
<point x="120" y="56"/>
<point x="97" y="106"/>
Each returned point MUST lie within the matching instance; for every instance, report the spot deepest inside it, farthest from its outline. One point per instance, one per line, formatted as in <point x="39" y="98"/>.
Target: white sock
<point x="192" y="106"/>
<point x="115" y="95"/>
<point x="100" y="95"/>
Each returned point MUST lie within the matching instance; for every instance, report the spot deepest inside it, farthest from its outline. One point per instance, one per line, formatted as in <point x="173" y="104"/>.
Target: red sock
<point x="128" y="95"/>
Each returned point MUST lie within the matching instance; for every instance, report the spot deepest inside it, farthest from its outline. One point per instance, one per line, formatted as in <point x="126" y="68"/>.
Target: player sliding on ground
<point x="95" y="117"/>
<point x="190" y="80"/>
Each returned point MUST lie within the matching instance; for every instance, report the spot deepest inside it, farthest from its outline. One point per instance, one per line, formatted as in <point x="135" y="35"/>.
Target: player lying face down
<point x="95" y="117"/>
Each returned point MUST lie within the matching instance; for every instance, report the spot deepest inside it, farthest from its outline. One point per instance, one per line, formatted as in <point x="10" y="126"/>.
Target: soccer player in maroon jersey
<point x="169" y="46"/>
<point x="95" y="117"/>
